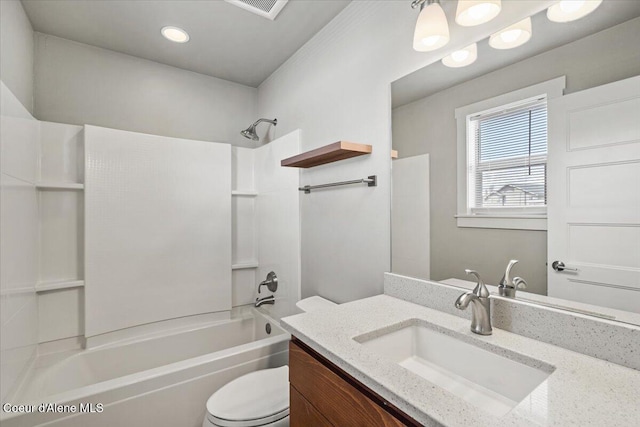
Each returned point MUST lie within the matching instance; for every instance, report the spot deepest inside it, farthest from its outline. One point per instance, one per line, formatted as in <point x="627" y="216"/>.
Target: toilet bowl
<point x="259" y="398"/>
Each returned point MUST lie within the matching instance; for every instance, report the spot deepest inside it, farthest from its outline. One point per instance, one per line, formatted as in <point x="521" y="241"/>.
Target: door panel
<point x="594" y="195"/>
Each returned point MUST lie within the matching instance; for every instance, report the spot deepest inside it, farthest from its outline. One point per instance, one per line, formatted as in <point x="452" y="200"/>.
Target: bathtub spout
<point x="266" y="300"/>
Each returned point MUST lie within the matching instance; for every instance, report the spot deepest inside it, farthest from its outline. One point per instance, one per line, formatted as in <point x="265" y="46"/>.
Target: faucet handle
<point x="480" y="290"/>
<point x="519" y="283"/>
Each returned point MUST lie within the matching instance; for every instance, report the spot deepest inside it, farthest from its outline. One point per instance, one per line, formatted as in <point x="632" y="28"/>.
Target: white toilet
<point x="260" y="398"/>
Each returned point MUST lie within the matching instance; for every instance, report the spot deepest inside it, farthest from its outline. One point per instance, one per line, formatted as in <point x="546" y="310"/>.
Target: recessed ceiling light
<point x="175" y="34"/>
<point x="476" y="12"/>
<point x="570" y="10"/>
<point x="513" y="36"/>
<point x="462" y="57"/>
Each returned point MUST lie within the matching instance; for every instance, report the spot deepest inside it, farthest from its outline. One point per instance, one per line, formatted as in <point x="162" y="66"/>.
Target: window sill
<point x="507" y="222"/>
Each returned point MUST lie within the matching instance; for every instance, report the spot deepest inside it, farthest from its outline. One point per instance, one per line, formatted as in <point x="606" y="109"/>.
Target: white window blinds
<point x="507" y="155"/>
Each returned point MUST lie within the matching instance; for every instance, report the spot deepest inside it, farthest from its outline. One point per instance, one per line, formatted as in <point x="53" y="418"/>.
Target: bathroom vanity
<point x="322" y="394"/>
<point x="387" y="361"/>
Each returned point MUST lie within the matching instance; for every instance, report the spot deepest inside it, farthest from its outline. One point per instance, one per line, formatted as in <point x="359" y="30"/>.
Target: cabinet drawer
<point x="302" y="413"/>
<point x="339" y="398"/>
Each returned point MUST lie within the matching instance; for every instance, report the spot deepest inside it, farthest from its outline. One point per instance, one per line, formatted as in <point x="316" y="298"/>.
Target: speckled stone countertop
<point x="581" y="390"/>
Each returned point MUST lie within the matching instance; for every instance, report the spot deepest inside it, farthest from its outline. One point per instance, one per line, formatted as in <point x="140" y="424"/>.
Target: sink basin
<point x="490" y="381"/>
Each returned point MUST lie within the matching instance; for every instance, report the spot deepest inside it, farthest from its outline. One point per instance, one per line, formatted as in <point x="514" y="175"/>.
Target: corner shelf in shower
<point x="241" y="193"/>
<point x="62" y="284"/>
<point x="244" y="265"/>
<point x="60" y="186"/>
<point x="329" y="153"/>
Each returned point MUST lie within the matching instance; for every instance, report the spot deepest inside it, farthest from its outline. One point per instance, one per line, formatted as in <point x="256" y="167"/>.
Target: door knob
<point x="559" y="266"/>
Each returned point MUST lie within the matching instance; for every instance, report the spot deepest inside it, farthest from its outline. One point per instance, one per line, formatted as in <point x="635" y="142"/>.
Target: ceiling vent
<point x="265" y="8"/>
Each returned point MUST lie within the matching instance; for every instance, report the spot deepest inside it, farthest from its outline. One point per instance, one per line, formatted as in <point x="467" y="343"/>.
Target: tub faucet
<point x="266" y="300"/>
<point x="481" y="306"/>
<point x="507" y="287"/>
<point x="271" y="282"/>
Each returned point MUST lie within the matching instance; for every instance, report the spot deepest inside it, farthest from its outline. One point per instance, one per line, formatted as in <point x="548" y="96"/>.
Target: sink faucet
<point x="481" y="306"/>
<point x="507" y="287"/>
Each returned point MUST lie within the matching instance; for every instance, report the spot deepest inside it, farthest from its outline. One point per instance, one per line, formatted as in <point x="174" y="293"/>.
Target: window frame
<point x="512" y="218"/>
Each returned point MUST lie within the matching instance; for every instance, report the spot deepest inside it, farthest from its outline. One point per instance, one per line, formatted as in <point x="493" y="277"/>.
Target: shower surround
<point x="245" y="213"/>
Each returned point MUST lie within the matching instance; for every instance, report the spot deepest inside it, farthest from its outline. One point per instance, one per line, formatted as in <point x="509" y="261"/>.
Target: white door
<point x="594" y="196"/>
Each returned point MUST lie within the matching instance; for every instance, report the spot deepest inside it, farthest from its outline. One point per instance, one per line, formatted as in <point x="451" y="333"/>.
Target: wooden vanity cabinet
<point x="321" y="394"/>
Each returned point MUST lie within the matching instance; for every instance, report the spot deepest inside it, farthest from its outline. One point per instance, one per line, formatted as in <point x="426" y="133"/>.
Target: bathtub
<point x="158" y="380"/>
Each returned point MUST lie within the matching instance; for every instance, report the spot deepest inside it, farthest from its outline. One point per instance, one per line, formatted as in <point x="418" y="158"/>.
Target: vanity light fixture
<point x="570" y="10"/>
<point x="462" y="57"/>
<point x="432" y="29"/>
<point x="475" y="12"/>
<point x="513" y="36"/>
<point x="175" y="34"/>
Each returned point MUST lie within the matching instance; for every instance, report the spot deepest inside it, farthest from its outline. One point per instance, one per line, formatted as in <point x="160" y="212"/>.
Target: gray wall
<point x="428" y="126"/>
<point x="81" y="84"/>
<point x="337" y="87"/>
<point x="16" y="51"/>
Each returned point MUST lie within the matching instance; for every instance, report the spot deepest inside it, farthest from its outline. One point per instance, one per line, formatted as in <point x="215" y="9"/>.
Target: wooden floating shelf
<point x="329" y="153"/>
<point x="59" y="186"/>
<point x="53" y="286"/>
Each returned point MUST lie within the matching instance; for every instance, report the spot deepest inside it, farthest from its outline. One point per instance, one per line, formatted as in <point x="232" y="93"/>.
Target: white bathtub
<point x="160" y="380"/>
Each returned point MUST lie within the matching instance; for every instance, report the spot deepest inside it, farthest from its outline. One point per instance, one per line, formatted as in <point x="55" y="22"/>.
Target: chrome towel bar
<point x="371" y="181"/>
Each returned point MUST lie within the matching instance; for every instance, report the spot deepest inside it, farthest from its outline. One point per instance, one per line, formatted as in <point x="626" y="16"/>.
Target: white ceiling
<point x="226" y="42"/>
<point x="546" y="35"/>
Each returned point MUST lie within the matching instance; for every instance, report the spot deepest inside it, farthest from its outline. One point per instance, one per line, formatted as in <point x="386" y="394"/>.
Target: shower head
<point x="250" y="132"/>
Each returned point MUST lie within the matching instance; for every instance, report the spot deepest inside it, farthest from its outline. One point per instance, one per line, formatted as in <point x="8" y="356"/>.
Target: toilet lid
<point x="253" y="399"/>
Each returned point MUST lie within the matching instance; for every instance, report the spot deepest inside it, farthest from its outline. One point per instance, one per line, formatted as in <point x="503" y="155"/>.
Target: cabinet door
<point x="340" y="402"/>
<point x="302" y="413"/>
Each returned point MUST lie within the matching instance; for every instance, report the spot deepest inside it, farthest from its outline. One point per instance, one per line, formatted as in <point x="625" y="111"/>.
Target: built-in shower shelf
<point x="329" y="153"/>
<point x="245" y="265"/>
<point x="62" y="284"/>
<point x="59" y="186"/>
<point x="243" y="193"/>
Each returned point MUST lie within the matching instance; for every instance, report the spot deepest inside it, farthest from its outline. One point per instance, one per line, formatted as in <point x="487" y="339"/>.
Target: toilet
<point x="259" y="398"/>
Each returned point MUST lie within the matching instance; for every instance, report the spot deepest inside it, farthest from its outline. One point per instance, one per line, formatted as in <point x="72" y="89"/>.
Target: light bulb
<point x="462" y="57"/>
<point x="570" y="6"/>
<point x="430" y="41"/>
<point x="476" y="12"/>
<point x="513" y="36"/>
<point x="570" y="10"/>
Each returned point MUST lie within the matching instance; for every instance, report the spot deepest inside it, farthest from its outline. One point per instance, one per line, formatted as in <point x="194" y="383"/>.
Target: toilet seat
<point x="254" y="399"/>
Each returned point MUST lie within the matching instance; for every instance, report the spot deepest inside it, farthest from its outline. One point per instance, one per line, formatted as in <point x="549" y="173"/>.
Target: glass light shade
<point x="175" y="34"/>
<point x="570" y="10"/>
<point x="513" y="36"/>
<point x="476" y="12"/>
<point x="432" y="29"/>
<point x="462" y="57"/>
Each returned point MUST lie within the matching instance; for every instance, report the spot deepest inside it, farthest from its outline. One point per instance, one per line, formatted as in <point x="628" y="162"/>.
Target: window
<point x="507" y="157"/>
<point x="502" y="159"/>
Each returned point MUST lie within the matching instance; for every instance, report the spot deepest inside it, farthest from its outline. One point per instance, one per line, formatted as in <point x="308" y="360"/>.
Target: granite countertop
<point x="581" y="390"/>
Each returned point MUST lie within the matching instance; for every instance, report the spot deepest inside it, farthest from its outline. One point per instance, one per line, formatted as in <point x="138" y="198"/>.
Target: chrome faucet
<point x="508" y="287"/>
<point x="271" y="282"/>
<point x="266" y="300"/>
<point x="481" y="306"/>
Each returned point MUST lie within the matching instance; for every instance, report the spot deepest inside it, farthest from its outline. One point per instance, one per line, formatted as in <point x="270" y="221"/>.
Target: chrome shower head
<point x="250" y="132"/>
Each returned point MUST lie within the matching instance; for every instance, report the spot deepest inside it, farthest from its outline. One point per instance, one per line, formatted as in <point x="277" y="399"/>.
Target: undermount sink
<point x="483" y="378"/>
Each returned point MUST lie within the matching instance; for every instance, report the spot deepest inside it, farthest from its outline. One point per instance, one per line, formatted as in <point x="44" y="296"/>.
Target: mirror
<point x="443" y="207"/>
